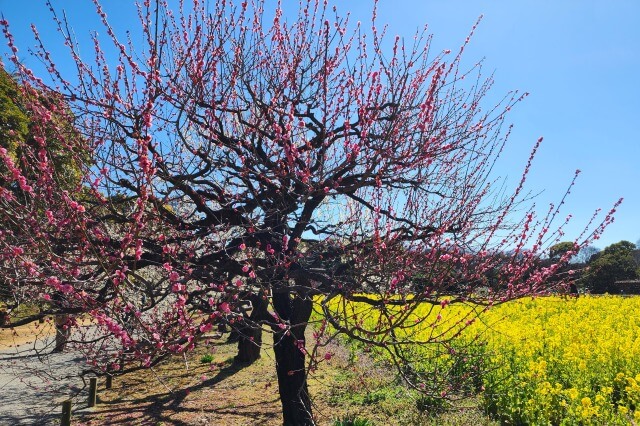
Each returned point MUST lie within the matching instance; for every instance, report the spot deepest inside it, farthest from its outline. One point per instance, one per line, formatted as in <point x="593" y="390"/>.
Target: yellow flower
<point x="530" y="346"/>
<point x="573" y="393"/>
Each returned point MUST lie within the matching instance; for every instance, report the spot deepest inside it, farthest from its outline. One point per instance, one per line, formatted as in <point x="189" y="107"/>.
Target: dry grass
<point x="199" y="394"/>
<point x="188" y="392"/>
<point x="25" y="334"/>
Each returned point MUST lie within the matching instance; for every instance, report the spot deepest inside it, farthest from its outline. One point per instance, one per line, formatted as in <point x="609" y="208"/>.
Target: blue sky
<point x="579" y="60"/>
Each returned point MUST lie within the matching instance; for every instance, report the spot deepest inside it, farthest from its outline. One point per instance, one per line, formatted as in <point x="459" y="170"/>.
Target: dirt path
<point x="33" y="381"/>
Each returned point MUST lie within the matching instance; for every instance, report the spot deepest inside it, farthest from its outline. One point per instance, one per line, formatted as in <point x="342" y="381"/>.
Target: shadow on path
<point x="209" y="402"/>
<point x="34" y="382"/>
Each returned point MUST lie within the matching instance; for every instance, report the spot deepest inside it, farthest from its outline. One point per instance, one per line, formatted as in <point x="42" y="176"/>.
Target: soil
<point x="25" y="334"/>
<point x="190" y="392"/>
<point x="204" y="387"/>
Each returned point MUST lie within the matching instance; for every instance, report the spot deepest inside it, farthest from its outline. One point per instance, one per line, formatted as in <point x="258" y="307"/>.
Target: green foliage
<point x="352" y="421"/>
<point x="14" y="123"/>
<point x="466" y="367"/>
<point x="372" y="391"/>
<point x="558" y="250"/>
<point x="206" y="359"/>
<point x="28" y="139"/>
<point x="431" y="404"/>
<point x="18" y="128"/>
<point x="613" y="264"/>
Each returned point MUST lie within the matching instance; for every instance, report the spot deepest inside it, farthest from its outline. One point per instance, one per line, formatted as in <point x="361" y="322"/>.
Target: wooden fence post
<point x="66" y="413"/>
<point x="93" y="390"/>
<point x="109" y="381"/>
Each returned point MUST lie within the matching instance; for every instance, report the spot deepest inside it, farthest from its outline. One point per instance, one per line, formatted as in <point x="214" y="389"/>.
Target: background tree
<point x="585" y="253"/>
<point x="13" y="128"/>
<point x="284" y="164"/>
<point x="614" y="263"/>
<point x="18" y="130"/>
<point x="557" y="251"/>
<point x="22" y="140"/>
<point x="14" y="123"/>
<point x="570" y="272"/>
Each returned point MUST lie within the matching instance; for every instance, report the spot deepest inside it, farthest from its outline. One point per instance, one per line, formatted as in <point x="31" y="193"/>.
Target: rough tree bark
<point x="289" y="344"/>
<point x="249" y="334"/>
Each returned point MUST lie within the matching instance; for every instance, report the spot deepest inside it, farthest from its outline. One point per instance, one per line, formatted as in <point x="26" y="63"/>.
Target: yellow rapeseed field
<point x="548" y="360"/>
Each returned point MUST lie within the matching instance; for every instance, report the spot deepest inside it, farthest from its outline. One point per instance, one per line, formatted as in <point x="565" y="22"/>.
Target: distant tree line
<point x="614" y="270"/>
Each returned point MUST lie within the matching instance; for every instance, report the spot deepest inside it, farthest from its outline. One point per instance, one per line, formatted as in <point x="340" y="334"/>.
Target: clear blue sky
<point x="580" y="61"/>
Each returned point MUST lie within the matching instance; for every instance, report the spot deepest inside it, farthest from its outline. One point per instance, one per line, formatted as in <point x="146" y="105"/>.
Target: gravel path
<point x="34" y="382"/>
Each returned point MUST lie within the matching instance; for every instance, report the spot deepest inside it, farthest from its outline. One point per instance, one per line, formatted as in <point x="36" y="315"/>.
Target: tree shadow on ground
<point x="206" y="402"/>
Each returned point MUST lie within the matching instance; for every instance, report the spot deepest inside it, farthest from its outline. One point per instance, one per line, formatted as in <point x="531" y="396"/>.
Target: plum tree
<point x="246" y="159"/>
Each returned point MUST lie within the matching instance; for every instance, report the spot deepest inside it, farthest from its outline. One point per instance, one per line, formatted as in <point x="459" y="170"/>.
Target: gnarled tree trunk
<point x="290" y="358"/>
<point x="249" y="334"/>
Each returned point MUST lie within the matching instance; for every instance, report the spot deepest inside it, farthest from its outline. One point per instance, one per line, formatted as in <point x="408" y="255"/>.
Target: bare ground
<point x="188" y="392"/>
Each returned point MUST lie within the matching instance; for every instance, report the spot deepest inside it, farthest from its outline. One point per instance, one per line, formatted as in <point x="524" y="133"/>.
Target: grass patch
<point x="206" y="359"/>
<point x="352" y="421"/>
<point x="350" y="387"/>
